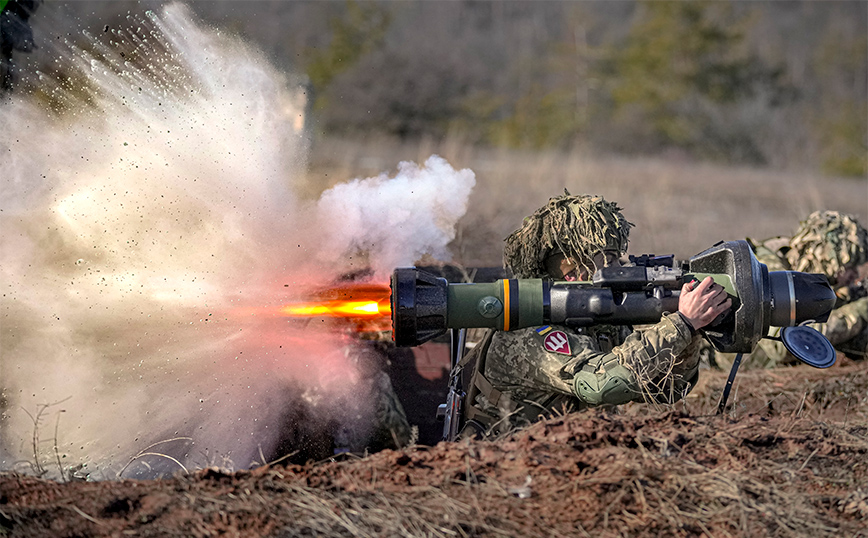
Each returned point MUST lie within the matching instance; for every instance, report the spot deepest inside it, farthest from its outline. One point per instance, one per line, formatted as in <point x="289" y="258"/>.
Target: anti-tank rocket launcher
<point x="425" y="306"/>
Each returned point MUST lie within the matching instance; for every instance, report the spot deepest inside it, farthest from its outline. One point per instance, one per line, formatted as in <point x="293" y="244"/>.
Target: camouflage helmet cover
<point x="827" y="242"/>
<point x="579" y="226"/>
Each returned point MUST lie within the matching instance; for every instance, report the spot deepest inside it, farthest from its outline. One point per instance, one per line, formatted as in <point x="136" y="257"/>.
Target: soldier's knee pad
<point x="611" y="387"/>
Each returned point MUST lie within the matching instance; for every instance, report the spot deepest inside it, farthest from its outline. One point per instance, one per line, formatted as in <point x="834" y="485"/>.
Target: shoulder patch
<point x="543" y="330"/>
<point x="557" y="342"/>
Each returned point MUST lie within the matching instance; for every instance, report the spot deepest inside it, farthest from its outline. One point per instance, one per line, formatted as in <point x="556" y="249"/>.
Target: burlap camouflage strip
<point x="827" y="242"/>
<point x="579" y="226"/>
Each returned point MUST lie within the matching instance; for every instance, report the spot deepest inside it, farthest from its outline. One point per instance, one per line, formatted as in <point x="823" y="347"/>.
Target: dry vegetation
<point x="796" y="468"/>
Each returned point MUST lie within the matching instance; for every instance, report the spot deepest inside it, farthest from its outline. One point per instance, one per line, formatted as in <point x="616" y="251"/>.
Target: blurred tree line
<point x="749" y="82"/>
<point x="780" y="83"/>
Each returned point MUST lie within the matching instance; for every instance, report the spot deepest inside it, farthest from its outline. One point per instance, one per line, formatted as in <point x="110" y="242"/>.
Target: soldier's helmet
<point x="828" y="242"/>
<point x="577" y="226"/>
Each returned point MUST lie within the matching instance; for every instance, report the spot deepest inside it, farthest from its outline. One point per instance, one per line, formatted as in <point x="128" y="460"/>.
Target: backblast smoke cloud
<point x="150" y="226"/>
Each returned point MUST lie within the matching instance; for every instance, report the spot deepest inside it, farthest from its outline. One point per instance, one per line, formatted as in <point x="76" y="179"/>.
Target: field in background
<point x="679" y="207"/>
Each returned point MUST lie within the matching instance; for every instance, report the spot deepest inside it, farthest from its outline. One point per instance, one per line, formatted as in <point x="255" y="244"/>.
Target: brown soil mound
<point x="790" y="458"/>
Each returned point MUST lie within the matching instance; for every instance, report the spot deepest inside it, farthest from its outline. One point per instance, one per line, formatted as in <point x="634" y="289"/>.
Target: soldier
<point x="523" y="375"/>
<point x="388" y="428"/>
<point x="829" y="243"/>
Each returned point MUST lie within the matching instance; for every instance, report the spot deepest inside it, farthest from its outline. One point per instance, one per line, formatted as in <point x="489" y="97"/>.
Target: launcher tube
<point x="505" y="305"/>
<point x="582" y="305"/>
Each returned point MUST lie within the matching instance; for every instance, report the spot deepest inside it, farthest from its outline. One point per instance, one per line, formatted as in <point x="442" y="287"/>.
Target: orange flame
<point x="366" y="305"/>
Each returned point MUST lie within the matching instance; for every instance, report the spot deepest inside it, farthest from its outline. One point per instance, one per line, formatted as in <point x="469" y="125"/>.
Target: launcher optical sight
<point x="425" y="306"/>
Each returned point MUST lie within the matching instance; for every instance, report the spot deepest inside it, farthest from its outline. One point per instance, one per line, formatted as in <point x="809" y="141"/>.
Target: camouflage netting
<point x="579" y="226"/>
<point x="827" y="242"/>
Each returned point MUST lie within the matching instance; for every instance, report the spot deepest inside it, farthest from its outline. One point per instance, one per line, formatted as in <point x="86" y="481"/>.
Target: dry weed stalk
<point x="657" y="379"/>
<point x="144" y="453"/>
<point x="36" y="465"/>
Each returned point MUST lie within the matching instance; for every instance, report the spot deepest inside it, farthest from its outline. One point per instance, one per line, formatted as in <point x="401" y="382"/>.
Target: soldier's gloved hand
<point x="701" y="302"/>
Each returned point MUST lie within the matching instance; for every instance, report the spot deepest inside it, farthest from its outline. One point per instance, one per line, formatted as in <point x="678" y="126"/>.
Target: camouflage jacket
<point x="525" y="374"/>
<point x="846" y="328"/>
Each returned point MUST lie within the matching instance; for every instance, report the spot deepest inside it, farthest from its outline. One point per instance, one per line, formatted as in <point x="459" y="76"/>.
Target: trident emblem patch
<point x="557" y="342"/>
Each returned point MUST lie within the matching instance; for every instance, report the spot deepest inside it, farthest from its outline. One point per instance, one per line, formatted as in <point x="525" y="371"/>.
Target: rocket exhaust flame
<point x="368" y="306"/>
<point x="337" y="309"/>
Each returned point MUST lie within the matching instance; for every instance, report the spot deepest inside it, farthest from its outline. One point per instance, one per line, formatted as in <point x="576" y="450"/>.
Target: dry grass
<point x="586" y="474"/>
<point x="679" y="207"/>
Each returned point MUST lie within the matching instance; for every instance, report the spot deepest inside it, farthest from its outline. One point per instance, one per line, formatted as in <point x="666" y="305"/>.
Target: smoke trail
<point x="148" y="218"/>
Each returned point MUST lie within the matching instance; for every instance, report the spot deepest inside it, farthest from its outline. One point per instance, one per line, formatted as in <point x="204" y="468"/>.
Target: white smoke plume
<point x="149" y="228"/>
<point x="396" y="220"/>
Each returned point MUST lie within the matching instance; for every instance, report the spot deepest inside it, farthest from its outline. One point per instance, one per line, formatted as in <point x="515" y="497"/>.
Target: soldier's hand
<point x="701" y="302"/>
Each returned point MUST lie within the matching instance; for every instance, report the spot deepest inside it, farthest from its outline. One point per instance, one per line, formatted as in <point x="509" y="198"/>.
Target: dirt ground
<point x="789" y="458"/>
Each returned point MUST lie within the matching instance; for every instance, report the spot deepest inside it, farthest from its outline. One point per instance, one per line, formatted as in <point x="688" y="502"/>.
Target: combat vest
<point x="478" y="421"/>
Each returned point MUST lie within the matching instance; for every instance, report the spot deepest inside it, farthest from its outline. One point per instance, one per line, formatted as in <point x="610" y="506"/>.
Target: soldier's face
<point x="560" y="267"/>
<point x="847" y="276"/>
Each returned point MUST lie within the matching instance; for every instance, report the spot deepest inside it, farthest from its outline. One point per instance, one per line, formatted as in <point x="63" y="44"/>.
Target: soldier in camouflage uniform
<point x="370" y="417"/>
<point x="523" y="375"/>
<point x="829" y="243"/>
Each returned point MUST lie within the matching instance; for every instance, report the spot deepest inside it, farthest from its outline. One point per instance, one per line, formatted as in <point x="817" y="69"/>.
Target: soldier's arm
<point x="846" y="322"/>
<point x="659" y="363"/>
<point x="655" y="364"/>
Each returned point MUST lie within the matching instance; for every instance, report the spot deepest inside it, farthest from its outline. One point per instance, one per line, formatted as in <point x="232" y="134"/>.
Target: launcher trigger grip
<point x="720" y="319"/>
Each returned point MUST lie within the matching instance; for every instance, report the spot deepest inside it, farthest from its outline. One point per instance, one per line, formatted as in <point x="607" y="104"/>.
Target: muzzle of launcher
<point x="425" y="306"/>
